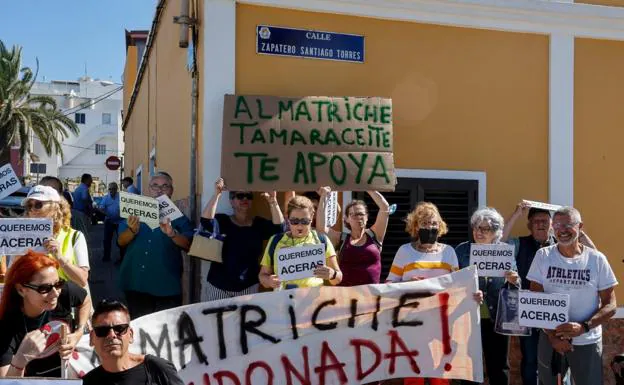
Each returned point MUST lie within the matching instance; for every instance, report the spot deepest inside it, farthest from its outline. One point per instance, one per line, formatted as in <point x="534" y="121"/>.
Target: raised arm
<point x="321" y="224"/>
<point x="211" y="207"/>
<point x="521" y="209"/>
<point x="381" y="223"/>
<point x="288" y="195"/>
<point x="276" y="214"/>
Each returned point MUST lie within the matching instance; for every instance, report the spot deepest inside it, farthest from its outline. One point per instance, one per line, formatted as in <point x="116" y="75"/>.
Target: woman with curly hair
<point x="68" y="246"/>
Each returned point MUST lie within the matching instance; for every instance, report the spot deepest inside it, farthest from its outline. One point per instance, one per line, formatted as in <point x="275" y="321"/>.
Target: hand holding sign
<point x="134" y="224"/>
<point x="32" y="347"/>
<point x="569" y="330"/>
<point x="167" y="228"/>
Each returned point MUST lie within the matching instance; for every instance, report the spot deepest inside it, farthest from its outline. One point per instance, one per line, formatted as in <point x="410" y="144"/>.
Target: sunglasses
<point x="38" y="205"/>
<point x="46" y="287"/>
<point x="119" y="330"/>
<point x="299" y="221"/>
<point x="241" y="196"/>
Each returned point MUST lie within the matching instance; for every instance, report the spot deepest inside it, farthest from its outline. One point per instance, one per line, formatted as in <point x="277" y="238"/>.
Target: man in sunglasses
<point x="151" y="271"/>
<point x="111" y="336"/>
<point x="569" y="267"/>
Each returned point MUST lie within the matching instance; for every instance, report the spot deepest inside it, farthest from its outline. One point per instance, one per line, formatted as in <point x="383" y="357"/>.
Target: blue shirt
<point x="153" y="263"/>
<point x="82" y="199"/>
<point x="110" y="206"/>
<point x="133" y="190"/>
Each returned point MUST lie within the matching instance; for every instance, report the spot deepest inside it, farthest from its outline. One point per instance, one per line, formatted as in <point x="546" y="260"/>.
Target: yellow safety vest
<point x="67" y="249"/>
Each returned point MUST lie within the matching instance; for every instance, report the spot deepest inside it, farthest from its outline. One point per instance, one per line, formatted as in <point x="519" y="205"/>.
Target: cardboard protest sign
<point x="542" y="310"/>
<point x="9" y="183"/>
<point x="274" y="143"/>
<point x="299" y="262"/>
<point x="492" y="260"/>
<point x="146" y="208"/>
<point x="17" y="235"/>
<point x="168" y="210"/>
<point x="331" y="208"/>
<point x="320" y="335"/>
<point x="543" y="206"/>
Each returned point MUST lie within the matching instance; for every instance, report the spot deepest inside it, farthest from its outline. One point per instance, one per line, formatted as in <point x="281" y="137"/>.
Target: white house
<point x="95" y="106"/>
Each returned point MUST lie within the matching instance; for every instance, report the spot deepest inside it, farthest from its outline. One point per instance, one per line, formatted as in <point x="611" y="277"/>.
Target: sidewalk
<point x="103" y="275"/>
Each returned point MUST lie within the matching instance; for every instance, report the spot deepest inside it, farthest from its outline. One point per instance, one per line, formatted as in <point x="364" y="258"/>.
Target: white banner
<point x="17" y="235"/>
<point x="492" y="260"/>
<point x="331" y="208"/>
<point x="541" y="310"/>
<point x="168" y="209"/>
<point x="541" y="205"/>
<point x="321" y="335"/>
<point x="299" y="262"/>
<point x="146" y="208"/>
<point x="9" y="182"/>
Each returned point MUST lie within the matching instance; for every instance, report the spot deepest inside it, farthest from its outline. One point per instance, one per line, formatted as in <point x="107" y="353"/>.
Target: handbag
<point x="507" y="317"/>
<point x="208" y="245"/>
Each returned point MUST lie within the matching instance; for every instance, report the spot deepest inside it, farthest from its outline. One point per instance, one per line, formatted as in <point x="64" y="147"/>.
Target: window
<point x="106" y="118"/>
<point x="456" y="200"/>
<point x="38" y="168"/>
<point x="100" y="149"/>
<point x="80" y="118"/>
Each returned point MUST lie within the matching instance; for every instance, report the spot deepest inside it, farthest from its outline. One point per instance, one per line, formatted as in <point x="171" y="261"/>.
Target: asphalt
<point x="103" y="278"/>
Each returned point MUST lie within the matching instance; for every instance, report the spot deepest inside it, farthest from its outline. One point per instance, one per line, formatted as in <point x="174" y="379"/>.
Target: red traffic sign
<point x="113" y="163"/>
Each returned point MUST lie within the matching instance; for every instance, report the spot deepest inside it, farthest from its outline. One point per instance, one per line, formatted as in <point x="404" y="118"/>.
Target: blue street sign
<point x="280" y="41"/>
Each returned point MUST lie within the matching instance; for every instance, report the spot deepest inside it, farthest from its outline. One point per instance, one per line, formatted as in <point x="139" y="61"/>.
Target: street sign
<point x="113" y="163"/>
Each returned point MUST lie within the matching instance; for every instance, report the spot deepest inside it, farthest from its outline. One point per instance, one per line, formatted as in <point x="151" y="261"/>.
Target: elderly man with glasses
<point x="151" y="272"/>
<point x="569" y="267"/>
<point x="111" y="336"/>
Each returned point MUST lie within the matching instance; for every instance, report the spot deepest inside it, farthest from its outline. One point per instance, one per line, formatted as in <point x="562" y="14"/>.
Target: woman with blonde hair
<point x="424" y="258"/>
<point x="67" y="245"/>
<point x="300" y="212"/>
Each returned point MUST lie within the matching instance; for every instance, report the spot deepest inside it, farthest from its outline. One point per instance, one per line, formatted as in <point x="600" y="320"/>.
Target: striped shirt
<point x="410" y="263"/>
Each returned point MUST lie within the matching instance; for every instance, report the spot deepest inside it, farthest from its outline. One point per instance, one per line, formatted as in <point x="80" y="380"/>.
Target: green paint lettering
<point x="315" y="160"/>
<point x="296" y="136"/>
<point x="379" y="162"/>
<point x="319" y="108"/>
<point x="250" y="162"/>
<point x="330" y="136"/>
<point x="386" y="139"/>
<point x="301" y="169"/>
<point x="360" y="165"/>
<point x="370" y="114"/>
<point x="260" y="111"/>
<point x="268" y="165"/>
<point x="332" y="113"/>
<point x="374" y="136"/>
<point x="258" y="136"/>
<point x="339" y="181"/>
<point x="282" y="134"/>
<point x="357" y="116"/>
<point x="285" y="106"/>
<point x="241" y="107"/>
<point x="348" y="108"/>
<point x="302" y="109"/>
<point x="386" y="114"/>
<point x="242" y="127"/>
<point x="359" y="135"/>
<point x="344" y="134"/>
<point x="315" y="137"/>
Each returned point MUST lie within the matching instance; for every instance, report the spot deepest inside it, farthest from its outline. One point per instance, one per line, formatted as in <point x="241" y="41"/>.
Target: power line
<point x="91" y="102"/>
<point x="84" y="148"/>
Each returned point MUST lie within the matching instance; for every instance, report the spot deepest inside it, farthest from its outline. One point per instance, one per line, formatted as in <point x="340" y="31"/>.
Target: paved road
<point x="103" y="275"/>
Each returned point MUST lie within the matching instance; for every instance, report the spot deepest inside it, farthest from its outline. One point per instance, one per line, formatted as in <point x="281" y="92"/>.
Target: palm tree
<point x="22" y="113"/>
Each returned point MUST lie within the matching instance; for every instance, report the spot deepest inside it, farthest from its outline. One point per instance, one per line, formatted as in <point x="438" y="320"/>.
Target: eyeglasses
<point x="160" y="187"/>
<point x="46" y="287"/>
<point x="37" y="205"/>
<point x="483" y="229"/>
<point x="119" y="330"/>
<point x="562" y="226"/>
<point x="241" y="196"/>
<point x="357" y="215"/>
<point x="299" y="221"/>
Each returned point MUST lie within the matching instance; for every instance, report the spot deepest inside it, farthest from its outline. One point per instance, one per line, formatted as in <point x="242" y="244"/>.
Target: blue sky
<point x="66" y="34"/>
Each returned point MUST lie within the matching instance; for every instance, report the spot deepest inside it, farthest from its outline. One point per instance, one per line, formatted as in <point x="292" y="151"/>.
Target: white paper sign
<point x="319" y="335"/>
<point x="9" y="182"/>
<point x="299" y="262"/>
<point x="541" y="310"/>
<point x="168" y="210"/>
<point x="331" y="208"/>
<point x="541" y="205"/>
<point x="492" y="260"/>
<point x="17" y="235"/>
<point x="146" y="208"/>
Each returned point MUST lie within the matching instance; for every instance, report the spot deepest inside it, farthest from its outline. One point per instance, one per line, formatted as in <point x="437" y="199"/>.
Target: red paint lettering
<point x="448" y="367"/>
<point x="220" y="375"/>
<point x="254" y="366"/>
<point x="290" y="369"/>
<point x="328" y="355"/>
<point x="446" y="335"/>
<point x="395" y="340"/>
<point x="206" y="379"/>
<point x="358" y="344"/>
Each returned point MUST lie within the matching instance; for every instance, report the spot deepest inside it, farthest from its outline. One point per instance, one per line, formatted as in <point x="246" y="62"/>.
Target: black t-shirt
<point x="153" y="371"/>
<point x="242" y="251"/>
<point x="15" y="326"/>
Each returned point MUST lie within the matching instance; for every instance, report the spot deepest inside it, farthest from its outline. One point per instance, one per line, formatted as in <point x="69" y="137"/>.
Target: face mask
<point x="428" y="236"/>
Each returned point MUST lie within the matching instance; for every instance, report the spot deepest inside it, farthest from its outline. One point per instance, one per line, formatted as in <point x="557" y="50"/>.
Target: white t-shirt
<point x="582" y="277"/>
<point x="81" y="251"/>
<point x="409" y="263"/>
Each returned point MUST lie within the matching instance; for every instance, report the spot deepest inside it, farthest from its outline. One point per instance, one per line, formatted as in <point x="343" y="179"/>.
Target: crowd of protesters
<point x="44" y="287"/>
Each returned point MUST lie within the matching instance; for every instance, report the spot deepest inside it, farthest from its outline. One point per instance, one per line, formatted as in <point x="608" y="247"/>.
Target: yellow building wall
<point x="464" y="99"/>
<point x="612" y="3"/>
<point x="598" y="138"/>
<point x="130" y="73"/>
<point x="161" y="116"/>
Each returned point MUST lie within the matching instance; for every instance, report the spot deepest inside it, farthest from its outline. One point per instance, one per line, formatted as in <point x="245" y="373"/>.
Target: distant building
<point x="95" y="106"/>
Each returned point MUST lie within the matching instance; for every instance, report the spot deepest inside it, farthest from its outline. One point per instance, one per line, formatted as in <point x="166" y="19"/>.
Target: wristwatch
<point x="585" y="326"/>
